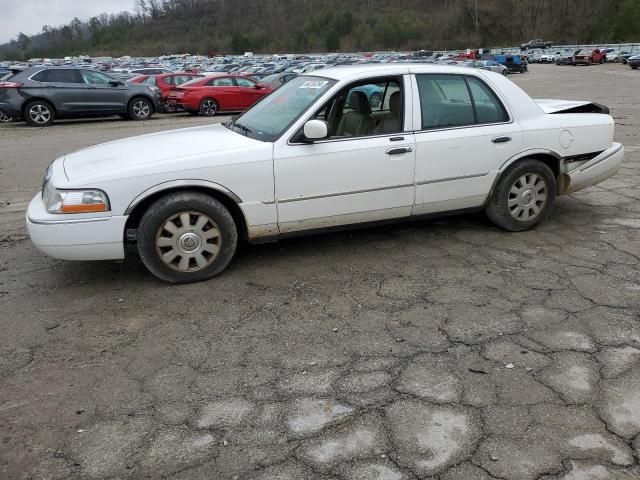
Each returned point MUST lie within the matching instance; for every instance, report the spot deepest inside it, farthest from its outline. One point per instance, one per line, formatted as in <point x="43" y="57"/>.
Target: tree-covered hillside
<point x="235" y="26"/>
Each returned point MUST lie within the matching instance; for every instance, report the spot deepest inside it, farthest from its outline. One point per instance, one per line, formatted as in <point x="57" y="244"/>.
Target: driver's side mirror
<point x="116" y="83"/>
<point x="316" y="130"/>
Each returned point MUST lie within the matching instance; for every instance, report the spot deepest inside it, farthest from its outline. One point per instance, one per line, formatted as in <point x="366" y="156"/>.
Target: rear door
<point x="464" y="134"/>
<point x="103" y="95"/>
<point x="225" y="92"/>
<point x="66" y="90"/>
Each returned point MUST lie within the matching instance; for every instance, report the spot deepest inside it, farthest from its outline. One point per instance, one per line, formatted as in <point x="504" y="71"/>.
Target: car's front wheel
<point x="186" y="237"/>
<point x="523" y="196"/>
<point x="140" y="109"/>
<point x="39" y="113"/>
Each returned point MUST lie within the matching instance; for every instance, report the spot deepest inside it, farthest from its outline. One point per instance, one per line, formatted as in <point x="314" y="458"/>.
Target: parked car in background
<point x="40" y="95"/>
<point x="616" y="56"/>
<point x="166" y="82"/>
<point x="549" y="57"/>
<point x="276" y="80"/>
<point x="588" y="57"/>
<point x="494" y="66"/>
<point x="149" y="71"/>
<point x="634" y="62"/>
<point x="537" y="43"/>
<point x="217" y="93"/>
<point x="449" y="139"/>
<point x="565" y="59"/>
<point x="515" y="63"/>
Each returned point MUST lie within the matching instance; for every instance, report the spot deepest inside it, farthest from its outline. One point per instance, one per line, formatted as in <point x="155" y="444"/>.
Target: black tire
<point x="39" y="113"/>
<point x="504" y="215"/>
<point x="4" y="118"/>
<point x="209" y="107"/>
<point x="170" y="108"/>
<point x="151" y="234"/>
<point x="140" y="109"/>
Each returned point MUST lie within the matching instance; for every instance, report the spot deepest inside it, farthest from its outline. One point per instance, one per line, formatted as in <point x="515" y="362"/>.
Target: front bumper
<point x="75" y="237"/>
<point x="594" y="171"/>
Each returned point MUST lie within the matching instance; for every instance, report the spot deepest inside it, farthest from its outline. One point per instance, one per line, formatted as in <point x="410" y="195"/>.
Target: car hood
<point x="136" y="153"/>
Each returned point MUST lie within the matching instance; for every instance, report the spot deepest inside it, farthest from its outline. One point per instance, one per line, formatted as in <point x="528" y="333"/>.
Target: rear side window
<point x="40" y="76"/>
<point x="221" y="82"/>
<point x="456" y="100"/>
<point x="489" y="108"/>
<point x="62" y="76"/>
<point x="244" y="82"/>
<point x="445" y="101"/>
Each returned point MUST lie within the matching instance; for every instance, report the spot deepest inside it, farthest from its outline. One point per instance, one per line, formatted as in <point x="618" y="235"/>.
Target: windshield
<point x="269" y="118"/>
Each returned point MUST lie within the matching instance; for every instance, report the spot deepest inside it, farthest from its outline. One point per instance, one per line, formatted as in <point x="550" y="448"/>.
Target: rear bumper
<point x="594" y="171"/>
<point x="98" y="238"/>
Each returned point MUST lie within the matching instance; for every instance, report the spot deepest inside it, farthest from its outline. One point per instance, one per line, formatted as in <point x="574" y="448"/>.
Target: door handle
<point x="501" y="139"/>
<point x="399" y="150"/>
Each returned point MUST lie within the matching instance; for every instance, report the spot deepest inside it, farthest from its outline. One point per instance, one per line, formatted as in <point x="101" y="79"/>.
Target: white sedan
<point x="315" y="155"/>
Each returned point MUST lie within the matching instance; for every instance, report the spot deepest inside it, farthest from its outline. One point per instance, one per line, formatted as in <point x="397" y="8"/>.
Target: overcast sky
<point x="29" y="16"/>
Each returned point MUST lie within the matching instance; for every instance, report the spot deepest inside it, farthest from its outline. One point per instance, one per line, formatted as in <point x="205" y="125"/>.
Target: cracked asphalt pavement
<point x="442" y="349"/>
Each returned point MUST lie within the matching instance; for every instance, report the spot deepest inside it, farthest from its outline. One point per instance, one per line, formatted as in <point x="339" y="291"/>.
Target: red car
<point x="587" y="57"/>
<point x="166" y="82"/>
<point x="218" y="93"/>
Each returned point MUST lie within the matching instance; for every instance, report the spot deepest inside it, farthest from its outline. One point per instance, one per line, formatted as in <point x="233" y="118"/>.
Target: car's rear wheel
<point x="39" y="113"/>
<point x="186" y="237"/>
<point x="170" y="108"/>
<point x="523" y="196"/>
<point x="4" y="118"/>
<point x="140" y="108"/>
<point x="209" y="107"/>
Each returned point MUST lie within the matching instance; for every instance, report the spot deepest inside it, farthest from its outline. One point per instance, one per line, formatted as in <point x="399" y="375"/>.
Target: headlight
<point x="74" y="201"/>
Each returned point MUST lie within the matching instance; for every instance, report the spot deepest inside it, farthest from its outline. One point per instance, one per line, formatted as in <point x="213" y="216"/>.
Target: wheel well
<point x="549" y="160"/>
<point x="236" y="212"/>
<point x="33" y="99"/>
<point x="552" y="162"/>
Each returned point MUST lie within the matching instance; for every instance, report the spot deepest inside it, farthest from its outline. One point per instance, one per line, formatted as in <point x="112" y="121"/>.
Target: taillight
<point x="10" y="85"/>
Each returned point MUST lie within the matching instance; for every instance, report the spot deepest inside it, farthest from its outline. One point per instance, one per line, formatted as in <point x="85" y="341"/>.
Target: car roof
<point x="342" y="72"/>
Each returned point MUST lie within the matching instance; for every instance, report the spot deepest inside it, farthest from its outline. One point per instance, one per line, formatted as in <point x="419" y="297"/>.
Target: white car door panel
<point x="347" y="180"/>
<point x="344" y="181"/>
<point x="457" y="165"/>
<point x="456" y="168"/>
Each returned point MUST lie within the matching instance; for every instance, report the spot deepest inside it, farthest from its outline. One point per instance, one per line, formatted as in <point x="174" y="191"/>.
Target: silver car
<point x="494" y="66"/>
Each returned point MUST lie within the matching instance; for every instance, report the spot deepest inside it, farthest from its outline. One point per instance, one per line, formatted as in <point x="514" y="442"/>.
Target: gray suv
<point x="39" y="95"/>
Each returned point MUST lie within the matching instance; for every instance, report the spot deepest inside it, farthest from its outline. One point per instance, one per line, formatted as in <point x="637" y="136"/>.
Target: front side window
<point x="366" y="108"/>
<point x="95" y="78"/>
<point x="456" y="100"/>
<point x="268" y="119"/>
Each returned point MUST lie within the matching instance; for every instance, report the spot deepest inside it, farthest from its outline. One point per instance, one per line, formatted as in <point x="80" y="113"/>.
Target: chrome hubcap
<point x="188" y="241"/>
<point x="209" y="107"/>
<point x="141" y="109"/>
<point x="39" y="114"/>
<point x="527" y="197"/>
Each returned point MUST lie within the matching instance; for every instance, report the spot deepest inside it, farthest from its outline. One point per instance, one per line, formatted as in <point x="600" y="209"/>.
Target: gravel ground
<point x="443" y="349"/>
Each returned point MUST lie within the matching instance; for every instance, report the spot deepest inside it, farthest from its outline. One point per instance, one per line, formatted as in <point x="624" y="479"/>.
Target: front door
<point x="363" y="171"/>
<point x="103" y="96"/>
<point x="249" y="92"/>
<point x="466" y="135"/>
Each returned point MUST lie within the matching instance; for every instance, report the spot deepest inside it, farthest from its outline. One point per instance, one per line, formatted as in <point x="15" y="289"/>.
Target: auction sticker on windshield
<point x="314" y="84"/>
